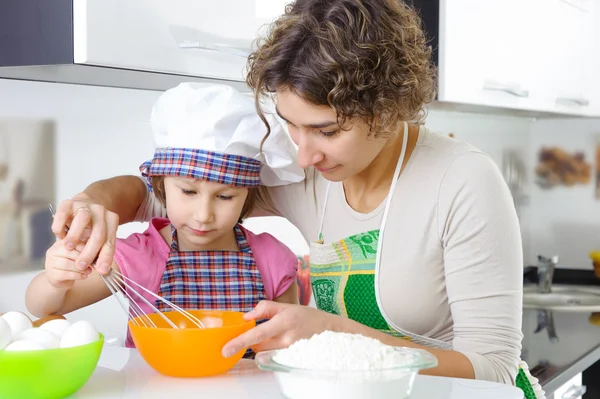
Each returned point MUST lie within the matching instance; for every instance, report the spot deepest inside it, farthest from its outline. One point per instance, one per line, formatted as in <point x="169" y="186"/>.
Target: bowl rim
<point x="244" y="323"/>
<point x="424" y="360"/>
<point x="4" y="353"/>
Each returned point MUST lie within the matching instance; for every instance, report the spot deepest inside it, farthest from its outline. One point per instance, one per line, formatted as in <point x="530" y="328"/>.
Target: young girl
<point x="206" y="172"/>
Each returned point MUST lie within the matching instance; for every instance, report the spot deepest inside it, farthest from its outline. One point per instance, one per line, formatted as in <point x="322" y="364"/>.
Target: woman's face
<point x="338" y="154"/>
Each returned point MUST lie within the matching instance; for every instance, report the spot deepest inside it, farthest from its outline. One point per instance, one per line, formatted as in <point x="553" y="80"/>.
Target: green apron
<point x="342" y="275"/>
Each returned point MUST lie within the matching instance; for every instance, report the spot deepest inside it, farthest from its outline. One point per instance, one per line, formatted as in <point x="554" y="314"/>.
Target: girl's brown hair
<point x="364" y="58"/>
<point x="158" y="187"/>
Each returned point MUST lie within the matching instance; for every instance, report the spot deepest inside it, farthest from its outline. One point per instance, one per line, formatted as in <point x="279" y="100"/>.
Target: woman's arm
<point x="122" y="195"/>
<point x="483" y="260"/>
<point x="94" y="215"/>
<point x="289" y="323"/>
<point x="450" y="363"/>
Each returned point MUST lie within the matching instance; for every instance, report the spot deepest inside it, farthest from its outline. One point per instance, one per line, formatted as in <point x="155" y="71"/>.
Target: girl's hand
<point x="90" y="224"/>
<point x="61" y="268"/>
<point x="288" y="323"/>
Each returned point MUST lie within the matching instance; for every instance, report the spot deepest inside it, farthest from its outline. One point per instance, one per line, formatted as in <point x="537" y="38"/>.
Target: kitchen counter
<point x="122" y="373"/>
<point x="555" y="357"/>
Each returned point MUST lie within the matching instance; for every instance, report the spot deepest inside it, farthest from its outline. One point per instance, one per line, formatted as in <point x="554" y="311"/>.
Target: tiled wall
<point x="565" y="220"/>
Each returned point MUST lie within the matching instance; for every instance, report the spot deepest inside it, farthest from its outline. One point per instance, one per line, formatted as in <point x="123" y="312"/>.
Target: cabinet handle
<point x="511" y="88"/>
<point x="575" y="392"/>
<point x="584" y="102"/>
<point x="239" y="52"/>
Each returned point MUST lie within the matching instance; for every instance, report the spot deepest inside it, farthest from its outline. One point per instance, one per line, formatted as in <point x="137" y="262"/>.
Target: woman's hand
<point x="88" y="223"/>
<point x="288" y="323"/>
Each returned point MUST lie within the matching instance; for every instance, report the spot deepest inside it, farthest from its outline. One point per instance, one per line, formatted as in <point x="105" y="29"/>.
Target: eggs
<point x="57" y="326"/>
<point x="18" y="333"/>
<point x="46" y="338"/>
<point x="18" y="346"/>
<point x="18" y="322"/>
<point x="79" y="333"/>
<point x="5" y="334"/>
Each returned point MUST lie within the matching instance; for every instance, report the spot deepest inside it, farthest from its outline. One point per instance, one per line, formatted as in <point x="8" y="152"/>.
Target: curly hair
<point x="365" y="59"/>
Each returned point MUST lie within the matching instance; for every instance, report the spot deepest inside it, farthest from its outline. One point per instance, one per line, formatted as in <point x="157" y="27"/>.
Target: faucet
<point x="545" y="271"/>
<point x="545" y="319"/>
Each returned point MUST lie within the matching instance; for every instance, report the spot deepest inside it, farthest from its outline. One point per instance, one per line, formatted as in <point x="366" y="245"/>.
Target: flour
<point x="342" y="352"/>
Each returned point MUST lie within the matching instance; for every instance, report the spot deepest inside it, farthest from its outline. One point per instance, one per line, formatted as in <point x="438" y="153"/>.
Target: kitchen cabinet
<point x="531" y="55"/>
<point x="481" y="61"/>
<point x="153" y="35"/>
<point x="564" y="82"/>
<point x="593" y="68"/>
<point x="573" y="389"/>
<point x="148" y="40"/>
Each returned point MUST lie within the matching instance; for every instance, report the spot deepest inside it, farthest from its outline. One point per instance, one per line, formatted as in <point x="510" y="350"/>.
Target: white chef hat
<point x="212" y="132"/>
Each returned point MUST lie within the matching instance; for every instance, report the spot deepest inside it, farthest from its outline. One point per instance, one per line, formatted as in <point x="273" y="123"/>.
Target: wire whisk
<point x="119" y="283"/>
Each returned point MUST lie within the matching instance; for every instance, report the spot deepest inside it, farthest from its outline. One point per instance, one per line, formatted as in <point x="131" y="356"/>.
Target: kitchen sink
<point x="563" y="298"/>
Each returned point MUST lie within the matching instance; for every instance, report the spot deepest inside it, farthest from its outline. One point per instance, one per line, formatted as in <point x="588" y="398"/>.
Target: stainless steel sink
<point x="563" y="298"/>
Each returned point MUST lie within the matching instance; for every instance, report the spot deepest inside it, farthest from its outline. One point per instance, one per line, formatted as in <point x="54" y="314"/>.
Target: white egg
<point x="18" y="322"/>
<point x="57" y="326"/>
<point x="23" y="345"/>
<point x="46" y="338"/>
<point x="5" y="334"/>
<point x="79" y="333"/>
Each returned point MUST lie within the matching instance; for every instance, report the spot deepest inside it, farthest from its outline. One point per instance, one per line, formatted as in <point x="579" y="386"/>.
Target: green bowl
<point x="47" y="374"/>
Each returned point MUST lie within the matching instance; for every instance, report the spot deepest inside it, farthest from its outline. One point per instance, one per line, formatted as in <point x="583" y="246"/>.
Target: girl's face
<point x="202" y="211"/>
<point x="338" y="154"/>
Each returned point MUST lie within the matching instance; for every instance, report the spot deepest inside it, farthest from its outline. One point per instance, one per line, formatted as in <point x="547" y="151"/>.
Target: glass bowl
<point x="391" y="382"/>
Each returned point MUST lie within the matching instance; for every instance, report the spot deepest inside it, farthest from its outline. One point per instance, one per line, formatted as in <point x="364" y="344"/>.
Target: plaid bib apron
<point x="342" y="275"/>
<point x="216" y="280"/>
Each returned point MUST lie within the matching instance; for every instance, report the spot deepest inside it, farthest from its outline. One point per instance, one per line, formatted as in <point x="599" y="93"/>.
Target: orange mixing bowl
<point x="190" y="351"/>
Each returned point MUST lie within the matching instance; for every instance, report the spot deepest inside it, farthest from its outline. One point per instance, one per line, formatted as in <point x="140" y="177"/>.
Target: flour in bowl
<point x="341" y="352"/>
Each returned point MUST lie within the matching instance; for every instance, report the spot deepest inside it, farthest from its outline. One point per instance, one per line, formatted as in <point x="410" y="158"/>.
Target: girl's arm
<point x="290" y="295"/>
<point x="43" y="299"/>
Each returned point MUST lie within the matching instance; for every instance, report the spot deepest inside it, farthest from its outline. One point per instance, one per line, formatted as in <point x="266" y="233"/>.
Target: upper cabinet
<point x="484" y="58"/>
<point x="134" y="43"/>
<point x="541" y="56"/>
<point x="187" y="37"/>
<point x="592" y="70"/>
<point x="565" y="74"/>
<point x="532" y="55"/>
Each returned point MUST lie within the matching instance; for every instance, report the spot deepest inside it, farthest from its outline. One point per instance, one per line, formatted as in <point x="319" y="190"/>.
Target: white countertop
<point x="122" y="373"/>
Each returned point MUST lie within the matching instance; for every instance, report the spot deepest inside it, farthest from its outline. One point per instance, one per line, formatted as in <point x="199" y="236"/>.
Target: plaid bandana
<point x="233" y="170"/>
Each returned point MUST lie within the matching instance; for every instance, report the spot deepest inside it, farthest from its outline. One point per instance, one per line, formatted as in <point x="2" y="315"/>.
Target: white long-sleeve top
<point x="452" y="261"/>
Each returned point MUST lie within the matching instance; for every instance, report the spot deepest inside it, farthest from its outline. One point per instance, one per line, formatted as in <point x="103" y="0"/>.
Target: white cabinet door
<point x="485" y="54"/>
<point x="592" y="68"/>
<point x="566" y="42"/>
<point x="147" y="35"/>
<point x="573" y="389"/>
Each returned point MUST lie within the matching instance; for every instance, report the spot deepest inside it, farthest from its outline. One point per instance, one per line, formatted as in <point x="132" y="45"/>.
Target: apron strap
<point x="320" y="239"/>
<point x="174" y="245"/>
<point x="241" y="240"/>
<point x="392" y="187"/>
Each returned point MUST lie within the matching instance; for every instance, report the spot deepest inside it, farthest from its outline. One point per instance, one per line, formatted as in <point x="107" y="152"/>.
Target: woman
<point x="414" y="237"/>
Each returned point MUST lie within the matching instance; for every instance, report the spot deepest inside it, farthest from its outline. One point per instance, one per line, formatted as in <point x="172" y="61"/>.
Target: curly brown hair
<point x="364" y="58"/>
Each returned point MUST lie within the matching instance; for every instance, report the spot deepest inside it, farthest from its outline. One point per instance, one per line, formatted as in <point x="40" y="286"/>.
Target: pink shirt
<point x="142" y="257"/>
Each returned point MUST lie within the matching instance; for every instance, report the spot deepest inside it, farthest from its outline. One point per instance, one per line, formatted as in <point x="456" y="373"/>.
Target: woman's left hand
<point x="288" y="323"/>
